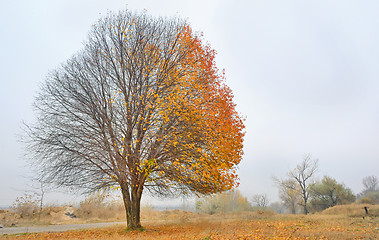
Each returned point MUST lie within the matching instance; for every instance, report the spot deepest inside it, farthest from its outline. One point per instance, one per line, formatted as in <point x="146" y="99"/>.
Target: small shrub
<point x="231" y="201"/>
<point x="366" y="200"/>
<point x="100" y="206"/>
<point x="26" y="206"/>
<point x="374" y="196"/>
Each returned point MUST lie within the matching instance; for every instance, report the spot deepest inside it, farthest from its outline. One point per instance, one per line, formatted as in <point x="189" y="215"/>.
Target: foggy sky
<point x="304" y="74"/>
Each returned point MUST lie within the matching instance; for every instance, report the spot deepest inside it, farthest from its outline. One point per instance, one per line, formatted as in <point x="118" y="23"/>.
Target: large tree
<point x="142" y="106"/>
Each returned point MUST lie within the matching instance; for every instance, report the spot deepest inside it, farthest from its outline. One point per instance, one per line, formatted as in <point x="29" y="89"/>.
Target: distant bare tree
<point x="370" y="184"/>
<point x="278" y="207"/>
<point x="302" y="174"/>
<point x="296" y="189"/>
<point x="370" y="192"/>
<point x="260" y="200"/>
<point x="39" y="189"/>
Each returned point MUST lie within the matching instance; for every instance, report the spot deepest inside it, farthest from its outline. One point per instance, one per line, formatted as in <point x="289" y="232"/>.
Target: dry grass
<point x="89" y="214"/>
<point x="246" y="225"/>
<point x="95" y="208"/>
<point x="352" y="210"/>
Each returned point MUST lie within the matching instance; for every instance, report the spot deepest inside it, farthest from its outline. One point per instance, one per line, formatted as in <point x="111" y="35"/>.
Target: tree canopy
<point x="142" y="106"/>
<point x="329" y="193"/>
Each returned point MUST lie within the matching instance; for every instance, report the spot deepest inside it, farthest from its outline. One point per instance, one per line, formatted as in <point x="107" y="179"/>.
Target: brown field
<point x="341" y="222"/>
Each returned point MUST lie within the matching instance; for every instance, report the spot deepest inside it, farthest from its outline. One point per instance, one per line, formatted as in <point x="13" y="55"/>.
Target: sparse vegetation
<point x="95" y="208"/>
<point x="353" y="210"/>
<point x="231" y="201"/>
<point x="26" y="206"/>
<point x="100" y="206"/>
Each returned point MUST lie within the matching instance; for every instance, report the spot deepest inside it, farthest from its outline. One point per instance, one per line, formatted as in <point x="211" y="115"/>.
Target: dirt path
<point x="55" y="228"/>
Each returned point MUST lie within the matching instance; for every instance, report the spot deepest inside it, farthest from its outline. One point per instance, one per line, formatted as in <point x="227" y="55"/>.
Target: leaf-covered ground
<point x="237" y="227"/>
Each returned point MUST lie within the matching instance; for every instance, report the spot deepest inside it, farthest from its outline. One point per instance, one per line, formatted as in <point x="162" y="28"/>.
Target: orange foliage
<point x="188" y="135"/>
<point x="181" y="133"/>
<point x="205" y="142"/>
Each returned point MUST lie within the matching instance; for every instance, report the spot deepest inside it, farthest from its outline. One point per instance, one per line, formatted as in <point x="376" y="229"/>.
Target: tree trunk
<point x="305" y="205"/>
<point x="305" y="209"/>
<point x="132" y="206"/>
<point x="293" y="207"/>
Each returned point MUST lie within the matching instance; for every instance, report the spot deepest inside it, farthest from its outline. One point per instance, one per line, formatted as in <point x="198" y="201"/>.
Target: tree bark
<point x="132" y="203"/>
<point x="305" y="207"/>
<point x="293" y="207"/>
<point x="305" y="197"/>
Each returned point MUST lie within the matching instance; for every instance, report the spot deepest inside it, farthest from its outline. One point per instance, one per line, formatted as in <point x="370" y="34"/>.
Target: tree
<point x="40" y="191"/>
<point x="297" y="185"/>
<point x="289" y="194"/>
<point x="260" y="200"/>
<point x="370" y="184"/>
<point x="329" y="193"/>
<point x="142" y="106"/>
<point x="302" y="174"/>
<point x="278" y="207"/>
<point x="370" y="190"/>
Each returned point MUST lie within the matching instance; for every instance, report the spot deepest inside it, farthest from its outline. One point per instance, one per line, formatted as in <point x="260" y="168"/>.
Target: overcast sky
<point x="305" y="74"/>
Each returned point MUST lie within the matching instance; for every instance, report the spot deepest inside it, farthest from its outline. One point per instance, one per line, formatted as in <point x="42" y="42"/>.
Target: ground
<point x="245" y="225"/>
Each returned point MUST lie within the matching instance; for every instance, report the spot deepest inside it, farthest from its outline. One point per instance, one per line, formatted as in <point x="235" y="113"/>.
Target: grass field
<point x="246" y="225"/>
